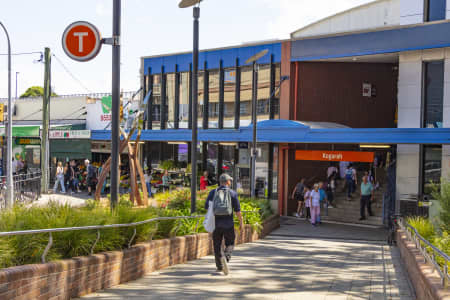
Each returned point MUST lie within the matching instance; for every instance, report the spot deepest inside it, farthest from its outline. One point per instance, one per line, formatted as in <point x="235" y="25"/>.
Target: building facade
<point x="383" y="65"/>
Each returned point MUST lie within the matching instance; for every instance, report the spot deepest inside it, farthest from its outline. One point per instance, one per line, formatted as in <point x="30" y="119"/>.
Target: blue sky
<point x="149" y="27"/>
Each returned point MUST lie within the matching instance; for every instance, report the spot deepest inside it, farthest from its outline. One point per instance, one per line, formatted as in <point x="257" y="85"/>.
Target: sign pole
<point x="115" y="135"/>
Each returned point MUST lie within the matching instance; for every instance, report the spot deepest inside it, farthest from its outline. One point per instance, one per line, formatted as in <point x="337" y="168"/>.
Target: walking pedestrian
<point x="323" y="200"/>
<point x="59" y="178"/>
<point x="350" y="178"/>
<point x="366" y="198"/>
<point x="204" y="181"/>
<point x="148" y="181"/>
<point x="307" y="198"/>
<point x="297" y="194"/>
<point x="224" y="201"/>
<point x="315" y="204"/>
<point x="165" y="181"/>
<point x="91" y="176"/>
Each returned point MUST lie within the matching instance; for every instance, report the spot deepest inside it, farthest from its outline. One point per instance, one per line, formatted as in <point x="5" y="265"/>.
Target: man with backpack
<point x="224" y="201"/>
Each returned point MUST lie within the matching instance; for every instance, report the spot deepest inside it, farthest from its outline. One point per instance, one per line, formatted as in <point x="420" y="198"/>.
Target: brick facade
<point x="78" y="276"/>
<point x="425" y="279"/>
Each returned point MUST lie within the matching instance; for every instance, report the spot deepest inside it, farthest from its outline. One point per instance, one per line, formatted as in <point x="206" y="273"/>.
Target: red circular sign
<point x="81" y="41"/>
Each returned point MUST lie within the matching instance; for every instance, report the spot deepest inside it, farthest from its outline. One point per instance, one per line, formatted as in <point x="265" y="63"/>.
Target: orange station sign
<point x="318" y="155"/>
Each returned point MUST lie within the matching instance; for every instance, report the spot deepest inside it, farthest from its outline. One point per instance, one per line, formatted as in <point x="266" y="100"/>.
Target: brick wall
<point x="426" y="281"/>
<point x="83" y="275"/>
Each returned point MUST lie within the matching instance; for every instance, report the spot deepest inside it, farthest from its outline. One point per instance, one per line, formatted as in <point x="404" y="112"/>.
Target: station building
<point x="374" y="79"/>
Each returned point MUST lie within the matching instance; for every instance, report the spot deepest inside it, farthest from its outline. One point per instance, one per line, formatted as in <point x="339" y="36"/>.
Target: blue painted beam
<point x="300" y="135"/>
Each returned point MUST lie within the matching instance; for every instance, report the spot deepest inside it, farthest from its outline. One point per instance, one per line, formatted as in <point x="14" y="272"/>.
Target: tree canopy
<point x="35" y="91"/>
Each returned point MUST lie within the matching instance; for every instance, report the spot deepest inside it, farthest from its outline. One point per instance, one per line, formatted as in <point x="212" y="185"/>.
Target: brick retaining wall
<point x="78" y="276"/>
<point x="426" y="281"/>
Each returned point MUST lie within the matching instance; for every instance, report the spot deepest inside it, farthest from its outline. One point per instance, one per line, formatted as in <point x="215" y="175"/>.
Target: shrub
<point x="443" y="195"/>
<point x="26" y="249"/>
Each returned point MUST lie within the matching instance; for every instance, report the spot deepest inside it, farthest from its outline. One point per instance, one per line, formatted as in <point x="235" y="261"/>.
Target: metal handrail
<point x="99" y="227"/>
<point x="415" y="237"/>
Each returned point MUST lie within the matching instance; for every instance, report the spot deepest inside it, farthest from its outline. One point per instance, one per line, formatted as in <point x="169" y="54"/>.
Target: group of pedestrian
<point x="67" y="177"/>
<point x="310" y="200"/>
<point x="19" y="166"/>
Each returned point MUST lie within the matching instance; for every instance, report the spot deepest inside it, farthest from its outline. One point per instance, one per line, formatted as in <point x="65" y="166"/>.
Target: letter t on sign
<point x="80" y="36"/>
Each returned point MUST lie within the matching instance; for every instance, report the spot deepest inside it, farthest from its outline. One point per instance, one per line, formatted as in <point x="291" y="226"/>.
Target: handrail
<point x="415" y="237"/>
<point x="98" y="228"/>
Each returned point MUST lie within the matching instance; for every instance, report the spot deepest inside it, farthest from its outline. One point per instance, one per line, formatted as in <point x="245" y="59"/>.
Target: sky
<point x="149" y="27"/>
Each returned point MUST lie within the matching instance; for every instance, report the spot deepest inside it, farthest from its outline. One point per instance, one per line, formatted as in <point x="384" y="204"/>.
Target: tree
<point x="35" y="91"/>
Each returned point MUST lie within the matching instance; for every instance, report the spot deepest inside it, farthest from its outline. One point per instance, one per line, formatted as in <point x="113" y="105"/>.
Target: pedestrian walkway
<point x="283" y="266"/>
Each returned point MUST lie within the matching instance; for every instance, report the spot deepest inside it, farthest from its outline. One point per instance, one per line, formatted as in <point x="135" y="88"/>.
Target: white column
<point x="447" y="15"/>
<point x="446" y="116"/>
<point x="409" y="116"/>
<point x="411" y="11"/>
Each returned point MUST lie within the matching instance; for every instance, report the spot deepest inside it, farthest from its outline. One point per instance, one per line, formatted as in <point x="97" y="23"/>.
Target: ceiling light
<point x="375" y="146"/>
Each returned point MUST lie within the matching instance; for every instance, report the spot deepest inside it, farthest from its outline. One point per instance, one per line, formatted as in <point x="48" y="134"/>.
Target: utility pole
<point x="45" y="123"/>
<point x="115" y="95"/>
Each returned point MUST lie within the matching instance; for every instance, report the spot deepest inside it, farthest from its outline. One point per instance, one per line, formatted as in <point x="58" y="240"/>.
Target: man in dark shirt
<point x="225" y="225"/>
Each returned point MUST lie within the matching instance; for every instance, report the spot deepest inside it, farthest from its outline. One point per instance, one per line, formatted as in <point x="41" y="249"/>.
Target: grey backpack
<point x="222" y="202"/>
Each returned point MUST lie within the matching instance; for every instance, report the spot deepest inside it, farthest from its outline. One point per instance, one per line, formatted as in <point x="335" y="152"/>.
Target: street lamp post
<point x="196" y="13"/>
<point x="254" y="60"/>
<point x="9" y="174"/>
<point x="115" y="97"/>
<point x="16" y="83"/>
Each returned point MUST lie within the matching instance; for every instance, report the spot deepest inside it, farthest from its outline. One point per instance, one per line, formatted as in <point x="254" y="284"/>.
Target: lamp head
<point x="256" y="56"/>
<point x="188" y="3"/>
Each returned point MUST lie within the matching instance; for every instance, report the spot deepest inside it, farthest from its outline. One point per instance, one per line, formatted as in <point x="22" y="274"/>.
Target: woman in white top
<point x="59" y="178"/>
<point x="315" y="204"/>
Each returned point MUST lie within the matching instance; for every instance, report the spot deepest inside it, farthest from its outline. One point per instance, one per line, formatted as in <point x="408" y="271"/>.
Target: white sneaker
<point x="225" y="268"/>
<point x="296" y="214"/>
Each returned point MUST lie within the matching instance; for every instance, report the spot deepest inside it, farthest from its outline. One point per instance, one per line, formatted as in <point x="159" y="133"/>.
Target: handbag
<point x="210" y="220"/>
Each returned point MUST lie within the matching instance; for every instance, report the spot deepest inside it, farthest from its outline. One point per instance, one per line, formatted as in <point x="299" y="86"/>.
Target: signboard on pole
<point x="81" y="41"/>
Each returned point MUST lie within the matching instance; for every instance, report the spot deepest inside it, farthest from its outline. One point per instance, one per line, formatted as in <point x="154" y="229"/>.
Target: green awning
<point x="70" y="149"/>
<point x="22" y="131"/>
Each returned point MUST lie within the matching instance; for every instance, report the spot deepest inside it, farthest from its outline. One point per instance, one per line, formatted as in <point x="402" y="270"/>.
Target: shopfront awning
<point x="286" y="131"/>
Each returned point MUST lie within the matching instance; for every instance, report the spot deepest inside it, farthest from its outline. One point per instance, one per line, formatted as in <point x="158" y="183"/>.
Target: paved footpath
<point x="295" y="262"/>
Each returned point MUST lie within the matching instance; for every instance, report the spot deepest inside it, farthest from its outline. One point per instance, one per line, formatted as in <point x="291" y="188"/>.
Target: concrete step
<point x="375" y="221"/>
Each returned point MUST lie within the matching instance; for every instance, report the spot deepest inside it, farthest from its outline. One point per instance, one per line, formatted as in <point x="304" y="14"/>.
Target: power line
<point x="24" y="53"/>
<point x="71" y="74"/>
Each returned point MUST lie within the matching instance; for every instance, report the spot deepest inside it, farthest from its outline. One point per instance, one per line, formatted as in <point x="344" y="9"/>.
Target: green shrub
<point x="423" y="226"/>
<point x="26" y="249"/>
<point x="442" y="193"/>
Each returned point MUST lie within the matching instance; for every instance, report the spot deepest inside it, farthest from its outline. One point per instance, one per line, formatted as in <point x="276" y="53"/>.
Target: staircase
<point x="349" y="211"/>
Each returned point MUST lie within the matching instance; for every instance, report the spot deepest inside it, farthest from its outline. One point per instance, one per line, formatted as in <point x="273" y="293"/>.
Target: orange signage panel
<point x="353" y="156"/>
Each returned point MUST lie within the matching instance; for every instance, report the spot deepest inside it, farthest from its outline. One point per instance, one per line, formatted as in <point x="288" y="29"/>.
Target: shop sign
<point x="318" y="155"/>
<point x="99" y="114"/>
<point x="27" y="141"/>
<point x="243" y="145"/>
<point x="69" y="134"/>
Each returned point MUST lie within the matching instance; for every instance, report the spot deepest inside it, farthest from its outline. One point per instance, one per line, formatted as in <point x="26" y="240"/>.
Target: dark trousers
<point x="220" y="234"/>
<point x="308" y="213"/>
<point x="350" y="187"/>
<point x="365" y="201"/>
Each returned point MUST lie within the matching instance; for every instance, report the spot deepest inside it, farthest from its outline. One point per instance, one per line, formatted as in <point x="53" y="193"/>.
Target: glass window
<point x="432" y="167"/>
<point x="184" y="100"/>
<point x="213" y="99"/>
<point x="200" y="99"/>
<point x="435" y="10"/>
<point x="246" y="96"/>
<point x="156" y="103"/>
<point x="276" y="97"/>
<point x="229" y="97"/>
<point x="262" y="106"/>
<point x="170" y="100"/>
<point x="434" y="94"/>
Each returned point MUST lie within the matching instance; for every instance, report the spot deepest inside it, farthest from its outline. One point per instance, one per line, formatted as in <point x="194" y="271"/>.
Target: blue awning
<point x="285" y="131"/>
